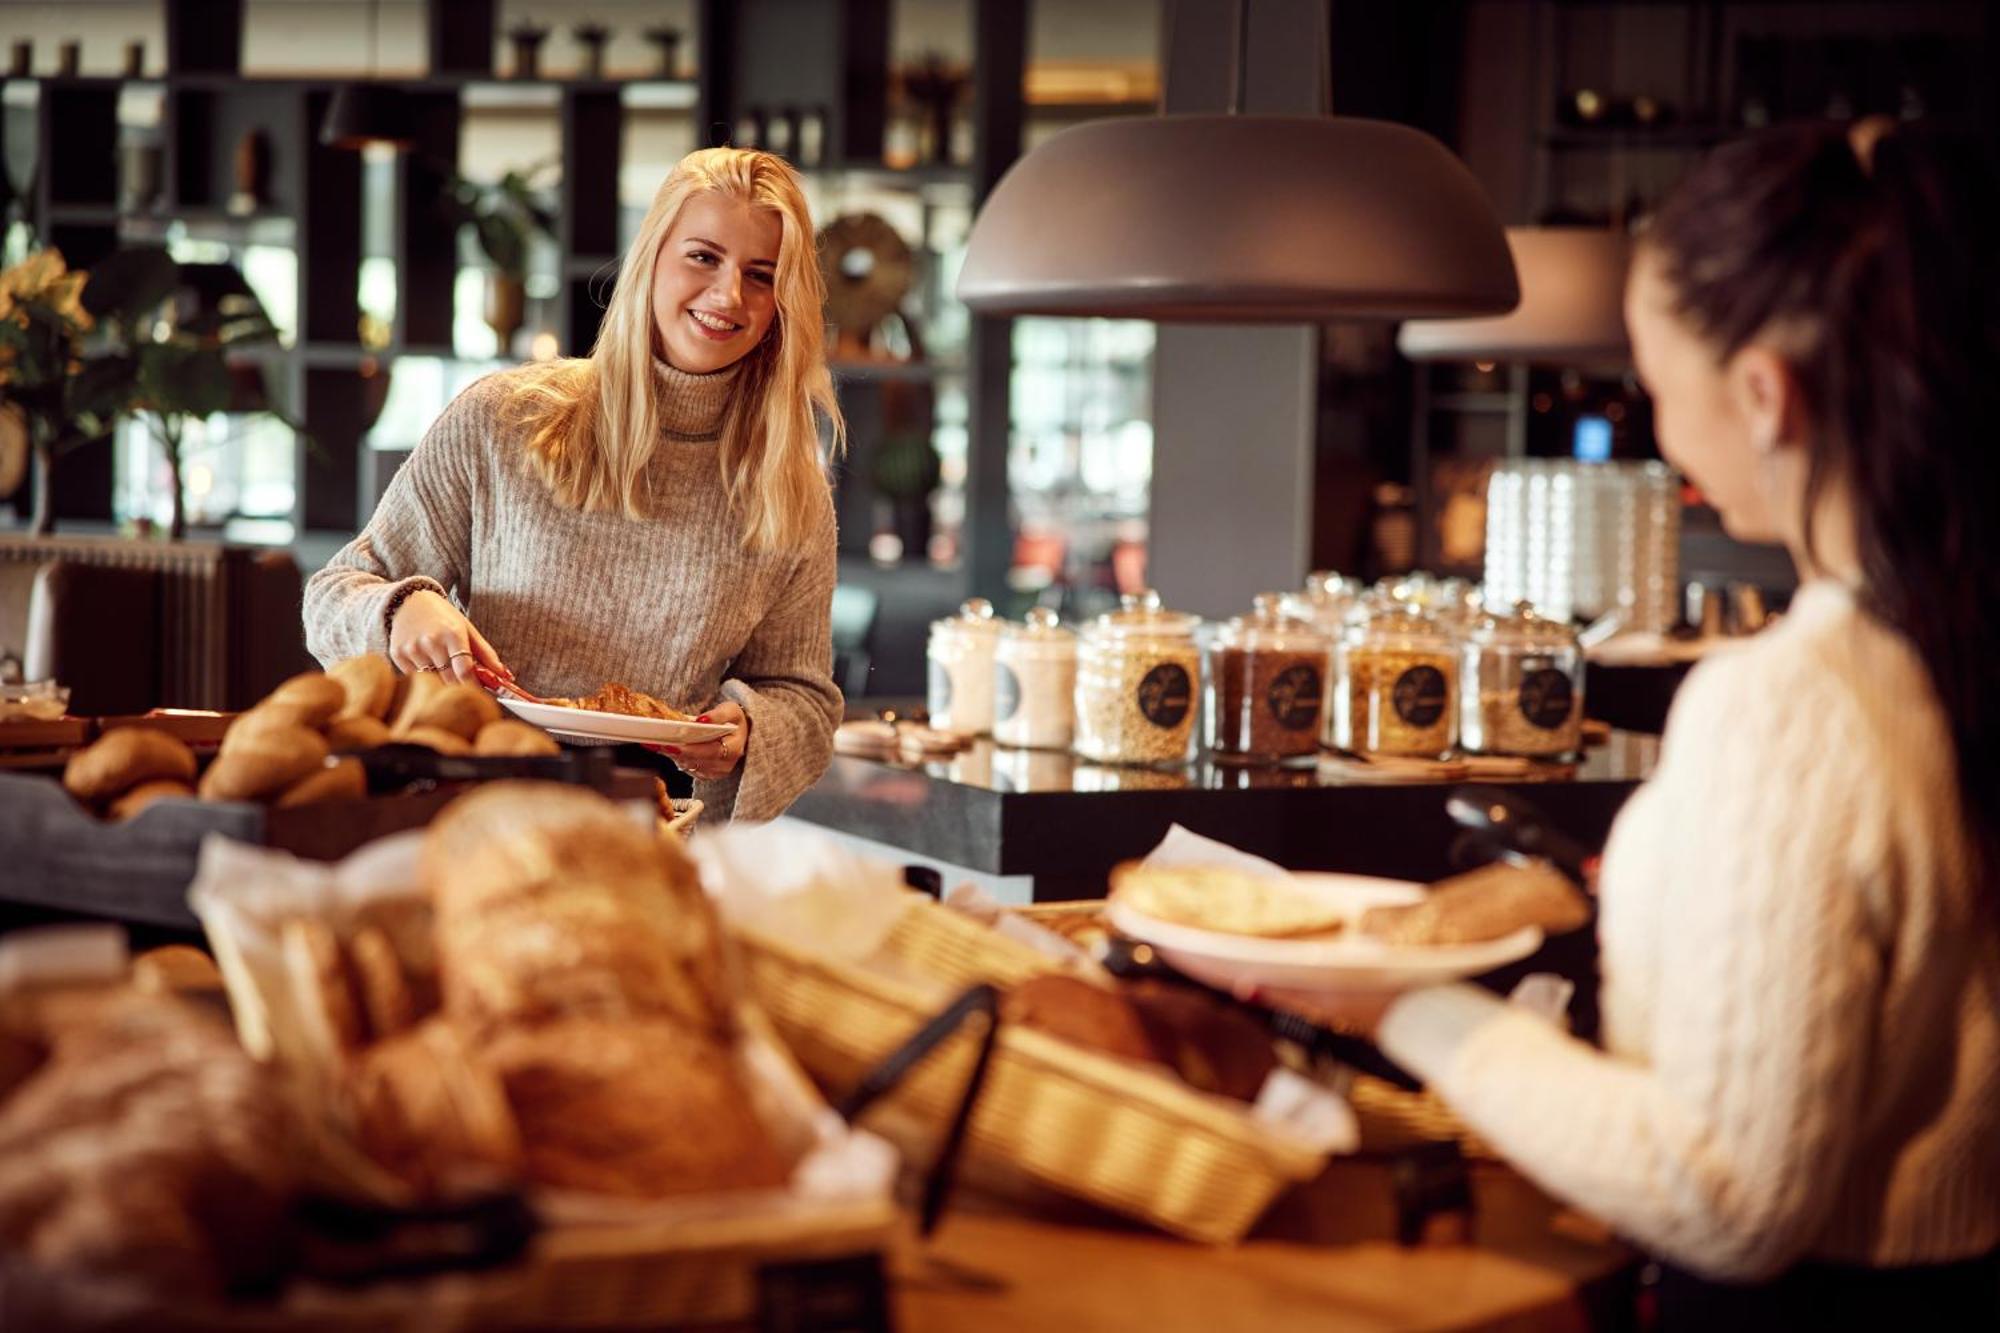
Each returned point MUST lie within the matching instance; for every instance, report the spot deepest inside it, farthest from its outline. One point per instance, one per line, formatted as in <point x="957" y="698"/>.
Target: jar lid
<point x="1140" y="615"/>
<point x="1390" y="620"/>
<point x="1269" y="629"/>
<point x="974" y="616"/>
<point x="1521" y="624"/>
<point x="1040" y="633"/>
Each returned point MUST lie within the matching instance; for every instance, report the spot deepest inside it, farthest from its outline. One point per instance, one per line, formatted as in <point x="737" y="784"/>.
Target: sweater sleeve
<point x="1725" y="1151"/>
<point x="421" y="534"/>
<point x="783" y="679"/>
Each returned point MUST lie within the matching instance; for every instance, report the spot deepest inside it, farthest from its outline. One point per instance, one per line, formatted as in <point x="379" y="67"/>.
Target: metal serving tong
<point x="1500" y="825"/>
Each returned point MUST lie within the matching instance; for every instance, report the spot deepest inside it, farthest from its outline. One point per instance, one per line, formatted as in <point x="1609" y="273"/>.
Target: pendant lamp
<point x="361" y="114"/>
<point x="1238" y="218"/>
<point x="1572" y="307"/>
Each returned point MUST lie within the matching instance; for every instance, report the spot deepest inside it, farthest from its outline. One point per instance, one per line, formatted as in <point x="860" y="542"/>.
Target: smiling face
<point x="713" y="297"/>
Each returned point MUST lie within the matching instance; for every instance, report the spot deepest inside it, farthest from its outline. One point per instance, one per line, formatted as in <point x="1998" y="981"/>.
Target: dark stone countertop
<point x="1041" y="814"/>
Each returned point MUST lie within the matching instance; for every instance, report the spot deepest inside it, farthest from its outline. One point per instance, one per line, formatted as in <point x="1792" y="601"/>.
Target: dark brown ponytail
<point x="1885" y="281"/>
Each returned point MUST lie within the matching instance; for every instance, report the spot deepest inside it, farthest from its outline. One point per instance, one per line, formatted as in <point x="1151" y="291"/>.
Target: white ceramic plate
<point x="1344" y="962"/>
<point x="587" y="725"/>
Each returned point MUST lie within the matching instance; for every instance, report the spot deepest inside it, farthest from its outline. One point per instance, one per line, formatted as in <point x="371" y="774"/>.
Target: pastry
<point x="456" y="708"/>
<point x="124" y="758"/>
<point x="551" y="901"/>
<point x="1223" y="898"/>
<point x="311" y="698"/>
<point x="345" y="735"/>
<point x="1210" y="1046"/>
<point x="147" y="1149"/>
<point x="370" y="684"/>
<point x="509" y="736"/>
<point x="436" y="738"/>
<point x="267" y="760"/>
<point x="616" y="698"/>
<point x="428" y="1112"/>
<point x="645" y="1108"/>
<point x="1483" y="904"/>
<point x="342" y="780"/>
<point x="415" y="689"/>
<point x="143" y="795"/>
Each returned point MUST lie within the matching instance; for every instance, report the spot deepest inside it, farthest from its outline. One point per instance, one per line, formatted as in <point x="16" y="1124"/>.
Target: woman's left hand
<point x="709" y="760"/>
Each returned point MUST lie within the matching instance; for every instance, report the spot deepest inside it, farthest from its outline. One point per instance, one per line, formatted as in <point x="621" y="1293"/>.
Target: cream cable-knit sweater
<point x="672" y="605"/>
<point x="1801" y="993"/>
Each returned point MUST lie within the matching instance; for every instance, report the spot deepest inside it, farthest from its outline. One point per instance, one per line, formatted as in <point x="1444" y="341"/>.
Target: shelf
<point x="896" y="178"/>
<point x="88" y="214"/>
<point x="212" y="224"/>
<point x="1668" y="139"/>
<point x="589" y="266"/>
<point x="902" y="371"/>
<point x="1472" y="402"/>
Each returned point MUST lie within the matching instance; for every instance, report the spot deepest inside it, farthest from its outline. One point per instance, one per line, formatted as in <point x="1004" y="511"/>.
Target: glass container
<point x="1034" y="684"/>
<point x="1398" y="686"/>
<point x="960" y="676"/>
<point x="1521" y="690"/>
<point x="1266" y="684"/>
<point x="1138" y="677"/>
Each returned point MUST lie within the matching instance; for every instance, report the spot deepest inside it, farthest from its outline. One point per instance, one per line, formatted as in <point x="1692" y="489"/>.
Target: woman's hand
<point x="709" y="760"/>
<point x="430" y="634"/>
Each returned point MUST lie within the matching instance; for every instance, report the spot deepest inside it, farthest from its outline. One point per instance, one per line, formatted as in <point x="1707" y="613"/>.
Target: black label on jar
<point x="1165" y="695"/>
<point x="1006" y="692"/>
<point x="1293" y="698"/>
<point x="1419" y="696"/>
<point x="1546" y="698"/>
<point x="940" y="688"/>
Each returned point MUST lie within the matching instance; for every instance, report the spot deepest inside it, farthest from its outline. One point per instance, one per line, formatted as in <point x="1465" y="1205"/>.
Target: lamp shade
<point x="1238" y="218"/>
<point x="1572" y="305"/>
<point x="366" y="113"/>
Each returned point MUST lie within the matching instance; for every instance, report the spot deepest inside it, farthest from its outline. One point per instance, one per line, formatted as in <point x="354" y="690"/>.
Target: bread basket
<point x="1091" y="1126"/>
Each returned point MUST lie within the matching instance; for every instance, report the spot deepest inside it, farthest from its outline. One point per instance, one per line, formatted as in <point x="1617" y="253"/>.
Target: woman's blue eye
<point x="701" y="256"/>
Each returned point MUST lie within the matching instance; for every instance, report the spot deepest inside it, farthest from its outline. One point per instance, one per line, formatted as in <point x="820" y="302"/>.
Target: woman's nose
<point x="728" y="287"/>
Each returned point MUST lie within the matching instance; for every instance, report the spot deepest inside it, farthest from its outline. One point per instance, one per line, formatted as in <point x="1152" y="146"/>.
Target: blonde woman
<point x="655" y="514"/>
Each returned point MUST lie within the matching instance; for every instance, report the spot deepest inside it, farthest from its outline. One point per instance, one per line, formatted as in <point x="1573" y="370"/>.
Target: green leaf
<point x="130" y="283"/>
<point x="504" y="244"/>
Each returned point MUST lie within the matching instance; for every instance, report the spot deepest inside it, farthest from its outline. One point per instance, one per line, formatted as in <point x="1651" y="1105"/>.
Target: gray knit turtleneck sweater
<point x="671" y="604"/>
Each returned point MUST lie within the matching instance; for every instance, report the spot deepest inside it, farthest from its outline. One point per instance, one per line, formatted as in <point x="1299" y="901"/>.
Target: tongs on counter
<point x="495" y="682"/>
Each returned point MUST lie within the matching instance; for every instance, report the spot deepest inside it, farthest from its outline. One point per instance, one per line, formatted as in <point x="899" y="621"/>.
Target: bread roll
<point x="426" y="1111"/>
<point x="643" y="1108"/>
<point x="1210" y="1046"/>
<point x="510" y="736"/>
<point x="436" y="738"/>
<point x="328" y="1013"/>
<point x="417" y="688"/>
<point x="458" y="708"/>
<point x="122" y="759"/>
<point x="370" y="683"/>
<point x="344" y="735"/>
<point x="552" y="902"/>
<point x="266" y="761"/>
<point x="1225" y="898"/>
<point x="342" y="780"/>
<point x="143" y="795"/>
<point x="386" y="1000"/>
<point x="311" y="697"/>
<point x="1096" y="1017"/>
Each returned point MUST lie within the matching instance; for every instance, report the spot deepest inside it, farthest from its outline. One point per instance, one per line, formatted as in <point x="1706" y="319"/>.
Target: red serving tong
<point x="486" y="676"/>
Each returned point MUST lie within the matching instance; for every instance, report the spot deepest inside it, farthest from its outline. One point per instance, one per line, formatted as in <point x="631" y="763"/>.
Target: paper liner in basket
<point x="244" y="895"/>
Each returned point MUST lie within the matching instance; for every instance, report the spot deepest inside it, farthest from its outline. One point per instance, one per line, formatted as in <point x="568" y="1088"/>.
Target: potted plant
<point x="51" y="392"/>
<point x="175" y="332"/>
<point x="504" y="217"/>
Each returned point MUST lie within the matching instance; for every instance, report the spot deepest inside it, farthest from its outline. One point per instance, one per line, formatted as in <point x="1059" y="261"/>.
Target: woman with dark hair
<point x="1798" y="1104"/>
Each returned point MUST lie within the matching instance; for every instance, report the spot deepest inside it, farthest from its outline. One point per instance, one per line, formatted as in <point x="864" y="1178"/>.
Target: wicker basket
<point x="1391" y="1118"/>
<point x="1083" y="1124"/>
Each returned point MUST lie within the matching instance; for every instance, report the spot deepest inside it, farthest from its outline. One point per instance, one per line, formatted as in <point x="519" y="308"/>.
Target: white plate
<point x="1344" y="962"/>
<point x="588" y="725"/>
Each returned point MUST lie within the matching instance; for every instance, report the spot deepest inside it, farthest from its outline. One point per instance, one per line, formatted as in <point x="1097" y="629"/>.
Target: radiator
<point x="195" y="590"/>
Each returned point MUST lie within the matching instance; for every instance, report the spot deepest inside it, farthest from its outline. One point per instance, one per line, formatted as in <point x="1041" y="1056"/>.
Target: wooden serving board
<point x="34" y="734"/>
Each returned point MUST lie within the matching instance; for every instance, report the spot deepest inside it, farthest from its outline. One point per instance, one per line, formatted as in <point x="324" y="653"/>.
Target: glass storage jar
<point x="1398" y="686"/>
<point x="960" y="669"/>
<point x="1266" y="684"/>
<point x="1138" y="674"/>
<point x="1324" y="601"/>
<point x="1034" y="684"/>
<point x="1521" y="686"/>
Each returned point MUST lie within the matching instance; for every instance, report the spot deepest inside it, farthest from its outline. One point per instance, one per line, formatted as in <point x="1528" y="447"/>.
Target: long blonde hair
<point x="594" y="422"/>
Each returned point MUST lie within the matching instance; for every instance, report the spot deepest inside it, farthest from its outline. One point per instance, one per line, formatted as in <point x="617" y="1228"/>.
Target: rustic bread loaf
<point x="122" y="759"/>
